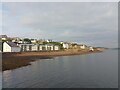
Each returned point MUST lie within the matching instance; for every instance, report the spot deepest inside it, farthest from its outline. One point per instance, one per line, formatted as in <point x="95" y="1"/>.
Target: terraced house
<point x="39" y="47"/>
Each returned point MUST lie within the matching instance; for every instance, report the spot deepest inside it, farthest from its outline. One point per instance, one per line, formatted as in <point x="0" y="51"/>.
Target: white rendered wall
<point x="65" y="46"/>
<point x="56" y="48"/>
<point x="34" y="48"/>
<point x="6" y="47"/>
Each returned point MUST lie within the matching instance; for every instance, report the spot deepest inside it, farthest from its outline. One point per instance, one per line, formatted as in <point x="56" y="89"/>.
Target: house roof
<point x="25" y="44"/>
<point x="12" y="44"/>
<point x="3" y="36"/>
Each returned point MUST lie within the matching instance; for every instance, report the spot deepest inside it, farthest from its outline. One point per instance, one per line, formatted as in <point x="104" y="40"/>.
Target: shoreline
<point x="12" y="61"/>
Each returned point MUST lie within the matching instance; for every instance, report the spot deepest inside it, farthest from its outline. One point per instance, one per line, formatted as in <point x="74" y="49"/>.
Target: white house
<point x="29" y="47"/>
<point x="65" y="45"/>
<point x="49" y="47"/>
<point x="39" y="47"/>
<point x="56" y="47"/>
<point x="20" y="41"/>
<point x="42" y="48"/>
<point x="91" y="48"/>
<point x="16" y="39"/>
<point x="4" y="37"/>
<point x="33" y="40"/>
<point x="26" y="47"/>
<point x="49" y="40"/>
<point x="10" y="47"/>
<point x="13" y="40"/>
<point x="82" y="46"/>
<point x="34" y="48"/>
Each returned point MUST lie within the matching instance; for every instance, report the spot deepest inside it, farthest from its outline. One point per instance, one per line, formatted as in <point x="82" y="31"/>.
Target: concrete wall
<point x="15" y="49"/>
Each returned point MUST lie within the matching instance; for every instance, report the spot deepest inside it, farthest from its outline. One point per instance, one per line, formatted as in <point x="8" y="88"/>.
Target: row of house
<point x="12" y="47"/>
<point x="38" y="47"/>
<point x="67" y="45"/>
<point x="16" y="45"/>
<point x="76" y="46"/>
<point x="23" y="40"/>
<point x="34" y="44"/>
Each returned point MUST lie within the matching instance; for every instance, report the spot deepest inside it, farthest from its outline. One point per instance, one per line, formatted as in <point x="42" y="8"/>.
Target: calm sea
<point x="98" y="70"/>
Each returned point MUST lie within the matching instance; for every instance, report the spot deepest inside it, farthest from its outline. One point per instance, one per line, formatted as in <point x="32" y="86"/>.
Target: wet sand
<point x="16" y="60"/>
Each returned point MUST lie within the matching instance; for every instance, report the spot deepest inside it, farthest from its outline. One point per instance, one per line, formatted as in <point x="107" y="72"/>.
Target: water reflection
<point x="81" y="71"/>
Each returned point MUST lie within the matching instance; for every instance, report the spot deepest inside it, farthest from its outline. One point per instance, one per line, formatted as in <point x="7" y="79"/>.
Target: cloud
<point x="66" y="21"/>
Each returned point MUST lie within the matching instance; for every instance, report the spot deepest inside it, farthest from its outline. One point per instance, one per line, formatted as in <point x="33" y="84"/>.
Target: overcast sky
<point x="89" y="23"/>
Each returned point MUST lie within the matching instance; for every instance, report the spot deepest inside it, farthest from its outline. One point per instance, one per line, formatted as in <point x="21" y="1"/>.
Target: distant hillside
<point x="115" y="48"/>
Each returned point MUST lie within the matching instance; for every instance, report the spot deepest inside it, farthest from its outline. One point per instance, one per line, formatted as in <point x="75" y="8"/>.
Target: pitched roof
<point x="12" y="44"/>
<point x="3" y="36"/>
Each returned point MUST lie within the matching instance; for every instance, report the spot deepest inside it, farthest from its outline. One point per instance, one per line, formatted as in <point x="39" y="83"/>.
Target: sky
<point x="91" y="23"/>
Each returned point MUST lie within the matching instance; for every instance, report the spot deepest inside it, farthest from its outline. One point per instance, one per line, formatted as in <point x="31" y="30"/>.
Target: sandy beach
<point x="15" y="60"/>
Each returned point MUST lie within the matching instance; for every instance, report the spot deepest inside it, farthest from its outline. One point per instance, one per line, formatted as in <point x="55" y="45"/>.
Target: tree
<point x="27" y="40"/>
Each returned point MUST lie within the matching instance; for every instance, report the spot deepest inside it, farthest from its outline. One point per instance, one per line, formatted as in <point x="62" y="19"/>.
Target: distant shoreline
<point x="16" y="60"/>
